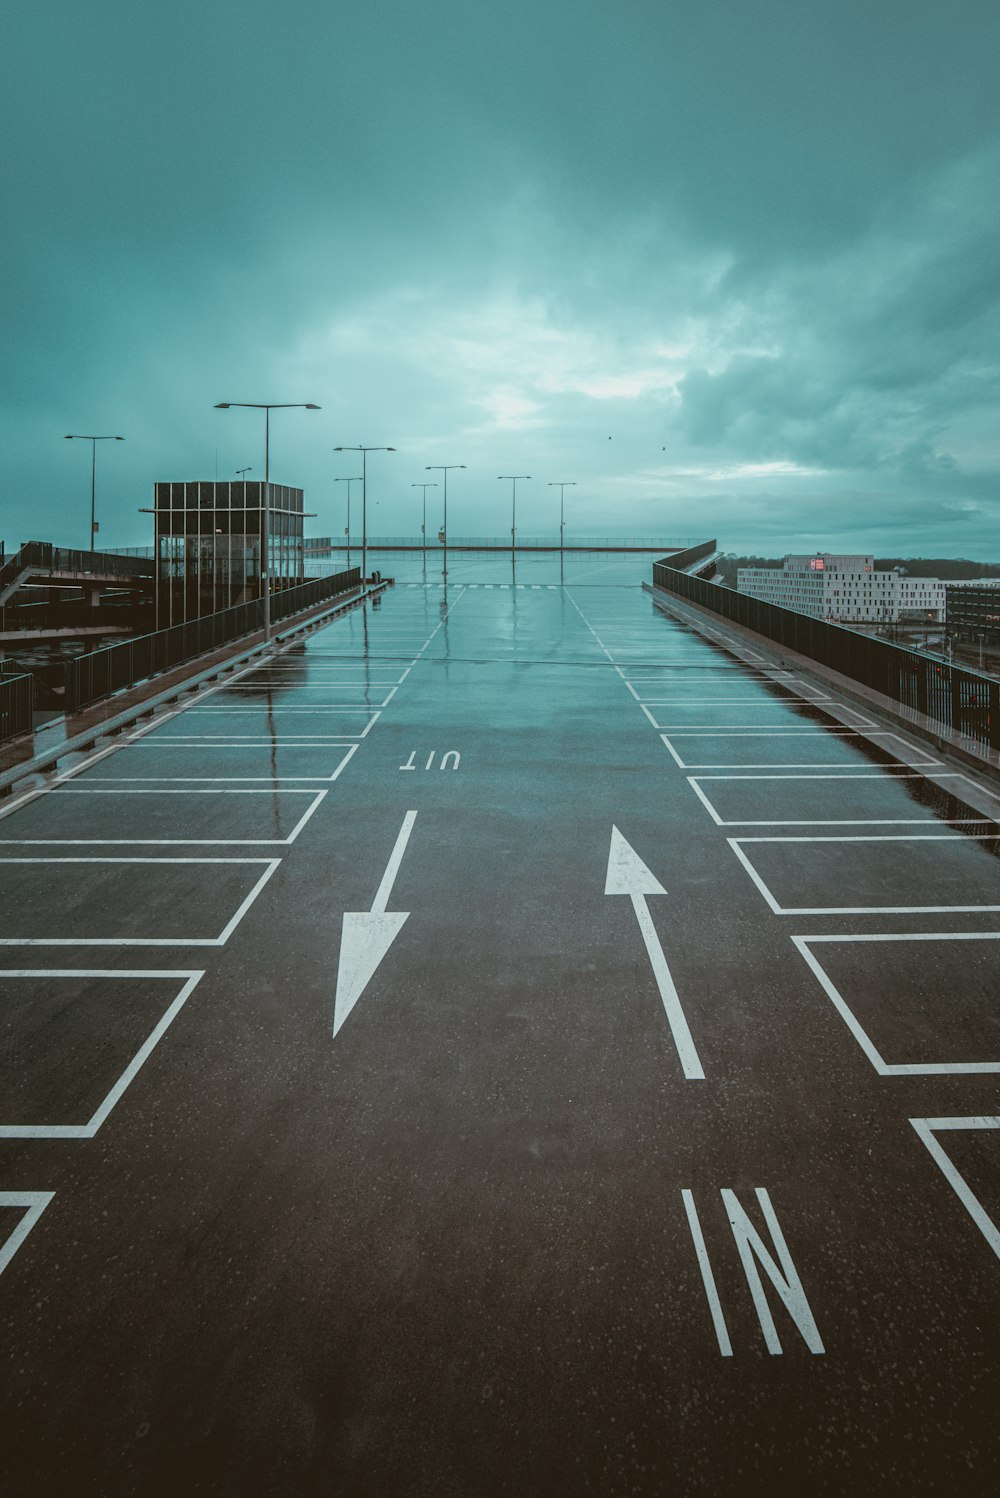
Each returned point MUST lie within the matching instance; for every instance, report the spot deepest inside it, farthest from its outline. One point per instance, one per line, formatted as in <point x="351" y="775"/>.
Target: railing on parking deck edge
<point x="100" y="673"/>
<point x="962" y="700"/>
<point x="17" y="699"/>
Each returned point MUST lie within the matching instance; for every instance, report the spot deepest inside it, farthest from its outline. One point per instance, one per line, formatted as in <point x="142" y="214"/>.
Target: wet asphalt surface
<point x="490" y="1238"/>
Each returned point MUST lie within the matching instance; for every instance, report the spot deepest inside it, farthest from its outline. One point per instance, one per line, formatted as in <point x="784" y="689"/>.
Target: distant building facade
<point x="845" y="588"/>
<point x="973" y="611"/>
<point x="208" y="545"/>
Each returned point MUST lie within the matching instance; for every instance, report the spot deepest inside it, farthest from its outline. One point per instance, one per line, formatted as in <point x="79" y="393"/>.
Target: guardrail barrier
<point x="92" y="677"/>
<point x="964" y="701"/>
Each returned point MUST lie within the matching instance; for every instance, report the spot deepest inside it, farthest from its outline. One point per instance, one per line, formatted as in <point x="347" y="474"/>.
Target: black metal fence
<point x="964" y="701"/>
<point x="99" y="674"/>
<point x="17" y="697"/>
<point x="44" y="556"/>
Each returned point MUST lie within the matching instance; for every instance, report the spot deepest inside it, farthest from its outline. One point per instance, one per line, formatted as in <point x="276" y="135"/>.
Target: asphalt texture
<point x="354" y="1141"/>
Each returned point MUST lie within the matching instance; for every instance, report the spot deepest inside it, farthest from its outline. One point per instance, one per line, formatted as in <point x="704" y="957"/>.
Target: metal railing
<point x="322" y="544"/>
<point x="17" y="699"/>
<point x="964" y="701"/>
<point x="92" y="677"/>
<point x="50" y="617"/>
<point x="44" y="557"/>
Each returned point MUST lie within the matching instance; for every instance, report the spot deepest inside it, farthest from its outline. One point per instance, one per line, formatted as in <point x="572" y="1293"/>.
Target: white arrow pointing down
<point x="368" y="934"/>
<point x="628" y="875"/>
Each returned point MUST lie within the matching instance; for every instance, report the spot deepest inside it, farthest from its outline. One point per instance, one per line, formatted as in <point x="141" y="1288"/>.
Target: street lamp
<point x="267" y="408"/>
<point x="423" y="528"/>
<point x="443" y="468"/>
<point x="513" y="503"/>
<point x="562" y="487"/>
<point x="364" y="451"/>
<point x="241" y="473"/>
<point x="354" y="479"/>
<point x="84" y="437"/>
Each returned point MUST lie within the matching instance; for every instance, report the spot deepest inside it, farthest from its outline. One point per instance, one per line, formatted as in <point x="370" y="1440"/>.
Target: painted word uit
<point x="449" y="760"/>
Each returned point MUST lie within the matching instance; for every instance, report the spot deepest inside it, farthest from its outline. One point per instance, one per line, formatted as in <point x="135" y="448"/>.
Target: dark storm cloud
<point x="754" y="242"/>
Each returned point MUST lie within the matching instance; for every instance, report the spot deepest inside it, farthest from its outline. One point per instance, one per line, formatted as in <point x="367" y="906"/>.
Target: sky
<point x="730" y="266"/>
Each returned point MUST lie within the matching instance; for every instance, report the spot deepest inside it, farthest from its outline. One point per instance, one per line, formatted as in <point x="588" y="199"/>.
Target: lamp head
<point x="223" y="405"/>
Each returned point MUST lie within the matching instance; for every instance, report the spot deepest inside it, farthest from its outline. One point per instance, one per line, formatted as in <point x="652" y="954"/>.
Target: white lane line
<point x="191" y="978"/>
<point x="926" y="1129"/>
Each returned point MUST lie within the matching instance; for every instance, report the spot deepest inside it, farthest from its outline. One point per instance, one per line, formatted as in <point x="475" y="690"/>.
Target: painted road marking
<point x="367" y="935"/>
<point x="450" y="760"/>
<point x="34" y="1204"/>
<point x="961" y="840"/>
<point x="698" y="783"/>
<point x="804" y="944"/>
<point x="754" y="1256"/>
<point x="279" y="777"/>
<point x="316" y="797"/>
<point x="826" y="736"/>
<point x="926" y="1129"/>
<point x="628" y="875"/>
<point x="269" y="866"/>
<point x="189" y="979"/>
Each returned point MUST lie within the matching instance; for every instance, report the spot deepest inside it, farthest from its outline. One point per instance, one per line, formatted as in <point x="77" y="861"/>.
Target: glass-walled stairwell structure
<point x="208" y="546"/>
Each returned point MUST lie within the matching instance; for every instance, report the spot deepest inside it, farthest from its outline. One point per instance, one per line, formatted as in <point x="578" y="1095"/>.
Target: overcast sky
<point x="730" y="265"/>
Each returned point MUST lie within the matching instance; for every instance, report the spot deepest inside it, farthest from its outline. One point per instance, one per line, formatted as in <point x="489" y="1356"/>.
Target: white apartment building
<point x="844" y="588"/>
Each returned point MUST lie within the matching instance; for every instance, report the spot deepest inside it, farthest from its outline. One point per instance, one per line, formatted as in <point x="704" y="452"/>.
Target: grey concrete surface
<point x="354" y="1141"/>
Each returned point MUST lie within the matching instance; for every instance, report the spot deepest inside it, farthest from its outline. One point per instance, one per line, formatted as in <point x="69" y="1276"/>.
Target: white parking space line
<point x="187" y="979"/>
<point x="739" y="845"/>
<point x="269" y="865"/>
<point x="804" y="945"/>
<point x="926" y="1129"/>
<point x="33" y="1204"/>
<point x="698" y="783"/>
<point x="882" y="739"/>
<point x="279" y="778"/>
<point x="315" y="798"/>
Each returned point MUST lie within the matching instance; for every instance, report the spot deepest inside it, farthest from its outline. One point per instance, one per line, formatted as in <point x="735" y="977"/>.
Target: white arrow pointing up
<point x="368" y="935"/>
<point x="628" y="875"/>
